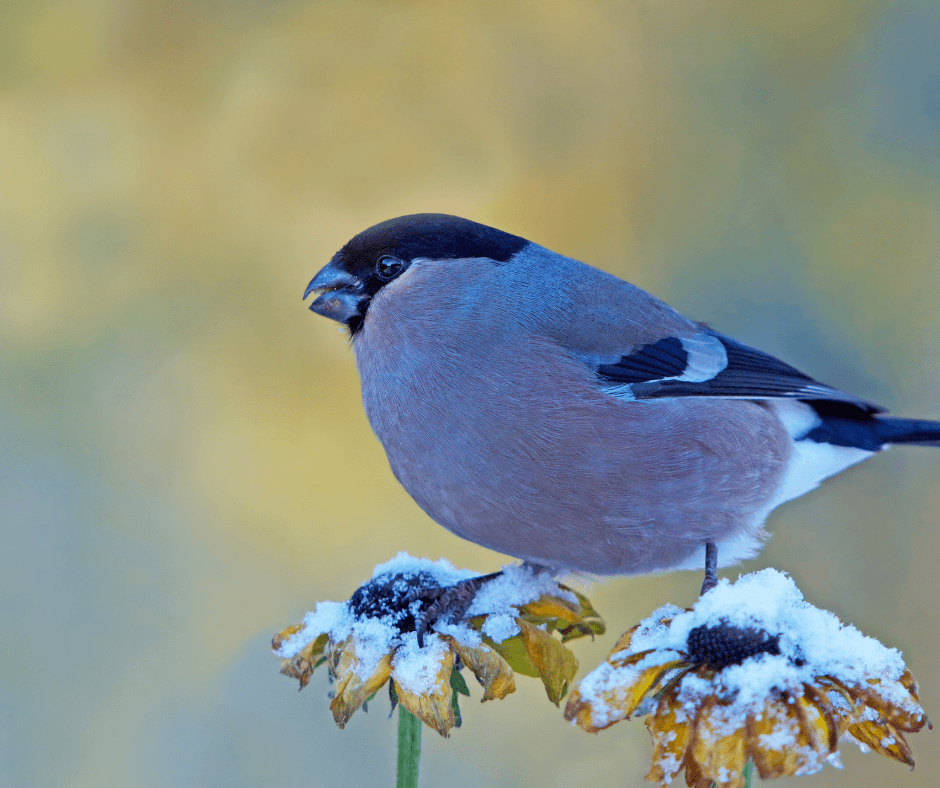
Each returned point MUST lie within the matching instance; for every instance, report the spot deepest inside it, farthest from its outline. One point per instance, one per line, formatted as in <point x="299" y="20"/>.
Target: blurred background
<point x="178" y="431"/>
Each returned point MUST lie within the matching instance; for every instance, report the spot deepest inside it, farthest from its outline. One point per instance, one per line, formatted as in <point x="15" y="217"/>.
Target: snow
<point x="442" y="570"/>
<point x="500" y="628"/>
<point x="514" y="587"/>
<point x="416" y="669"/>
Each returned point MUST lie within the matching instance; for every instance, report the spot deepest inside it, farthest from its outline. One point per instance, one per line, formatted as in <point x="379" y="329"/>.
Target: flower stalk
<point x="409" y="749"/>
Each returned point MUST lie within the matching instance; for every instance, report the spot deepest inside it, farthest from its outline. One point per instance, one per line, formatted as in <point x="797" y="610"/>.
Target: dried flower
<point x="751" y="672"/>
<point x="372" y="639"/>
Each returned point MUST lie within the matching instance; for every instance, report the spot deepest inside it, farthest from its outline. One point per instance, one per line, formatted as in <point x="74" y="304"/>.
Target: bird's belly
<point x="573" y="478"/>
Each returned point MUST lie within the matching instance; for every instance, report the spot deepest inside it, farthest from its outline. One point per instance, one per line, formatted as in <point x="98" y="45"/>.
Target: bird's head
<point x="378" y="256"/>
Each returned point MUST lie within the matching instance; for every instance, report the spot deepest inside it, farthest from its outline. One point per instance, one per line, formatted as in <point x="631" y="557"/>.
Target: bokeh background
<point x="185" y="463"/>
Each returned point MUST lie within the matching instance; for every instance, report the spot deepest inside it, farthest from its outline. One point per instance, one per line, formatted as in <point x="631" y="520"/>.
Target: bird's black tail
<point x="844" y="424"/>
<point x="912" y="431"/>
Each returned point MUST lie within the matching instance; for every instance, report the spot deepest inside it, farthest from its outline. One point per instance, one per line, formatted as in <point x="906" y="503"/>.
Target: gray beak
<point x="343" y="296"/>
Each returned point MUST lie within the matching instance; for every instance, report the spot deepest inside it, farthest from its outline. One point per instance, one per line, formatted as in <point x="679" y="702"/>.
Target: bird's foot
<point x="711" y="567"/>
<point x="450" y="603"/>
<point x="446" y="603"/>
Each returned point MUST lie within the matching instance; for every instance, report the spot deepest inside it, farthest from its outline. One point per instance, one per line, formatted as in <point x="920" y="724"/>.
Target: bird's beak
<point x="343" y="297"/>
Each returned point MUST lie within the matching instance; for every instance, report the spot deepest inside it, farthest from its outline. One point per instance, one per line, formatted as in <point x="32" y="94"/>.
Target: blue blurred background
<point x="185" y="463"/>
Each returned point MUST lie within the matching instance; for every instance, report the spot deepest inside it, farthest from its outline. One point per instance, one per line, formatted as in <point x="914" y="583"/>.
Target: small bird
<point x="548" y="410"/>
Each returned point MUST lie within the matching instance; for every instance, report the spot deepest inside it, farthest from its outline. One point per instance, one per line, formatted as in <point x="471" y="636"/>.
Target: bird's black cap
<point x="433" y="236"/>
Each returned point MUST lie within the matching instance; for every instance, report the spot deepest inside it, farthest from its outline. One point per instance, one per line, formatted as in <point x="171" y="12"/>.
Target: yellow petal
<point x="670" y="737"/>
<point x="434" y="706"/>
<point x="615" y="701"/>
<point x="352" y="689"/>
<point x="647" y="681"/>
<point x="579" y="630"/>
<point x="571" y="619"/>
<point x="836" y="723"/>
<point x="693" y="774"/>
<point x="587" y="609"/>
<point x="491" y="670"/>
<point x="884" y="738"/>
<point x="909" y="716"/>
<point x="623" y="644"/>
<point x="582" y="712"/>
<point x="780" y="744"/>
<point x="302" y="664"/>
<point x="278" y="640"/>
<point x="908" y="682"/>
<point x="556" y="664"/>
<point x="815" y="728"/>
<point x="552" y="607"/>
<point x="720" y="755"/>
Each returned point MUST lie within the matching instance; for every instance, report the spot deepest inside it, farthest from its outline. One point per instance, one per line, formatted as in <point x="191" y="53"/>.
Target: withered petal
<point x="910" y="684"/>
<point x="552" y="607"/>
<point x="435" y="708"/>
<point x="909" y="717"/>
<point x="623" y="644"/>
<point x="883" y="738"/>
<point x="835" y="722"/>
<point x="352" y="690"/>
<point x="720" y="757"/>
<point x="555" y="663"/>
<point x="670" y="738"/>
<point x="814" y="727"/>
<point x="693" y="774"/>
<point x="278" y="640"/>
<point x="775" y="740"/>
<point x="491" y="670"/>
<point x="617" y="701"/>
<point x="587" y="609"/>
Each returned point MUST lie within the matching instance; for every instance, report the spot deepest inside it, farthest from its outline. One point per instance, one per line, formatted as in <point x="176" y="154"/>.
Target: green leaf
<point x="458" y="720"/>
<point x="392" y="696"/>
<point x="458" y="683"/>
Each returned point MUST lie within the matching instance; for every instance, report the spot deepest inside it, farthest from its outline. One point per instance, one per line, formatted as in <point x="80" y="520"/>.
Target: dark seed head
<point x="392" y="597"/>
<point x="721" y="646"/>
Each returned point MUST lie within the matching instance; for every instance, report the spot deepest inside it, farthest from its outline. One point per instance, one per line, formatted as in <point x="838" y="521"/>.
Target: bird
<point x="553" y="412"/>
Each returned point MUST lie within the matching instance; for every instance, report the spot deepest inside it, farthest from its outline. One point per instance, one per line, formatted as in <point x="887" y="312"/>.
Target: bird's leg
<point x="536" y="569"/>
<point x="711" y="567"/>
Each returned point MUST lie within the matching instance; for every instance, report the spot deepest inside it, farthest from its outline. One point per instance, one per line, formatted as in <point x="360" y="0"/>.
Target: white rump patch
<point x="811" y="463"/>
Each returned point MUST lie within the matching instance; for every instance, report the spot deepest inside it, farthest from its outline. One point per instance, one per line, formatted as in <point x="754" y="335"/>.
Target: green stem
<point x="409" y="748"/>
<point x="748" y="773"/>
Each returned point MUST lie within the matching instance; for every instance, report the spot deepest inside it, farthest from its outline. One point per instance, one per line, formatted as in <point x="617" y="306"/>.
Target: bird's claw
<point x="446" y="603"/>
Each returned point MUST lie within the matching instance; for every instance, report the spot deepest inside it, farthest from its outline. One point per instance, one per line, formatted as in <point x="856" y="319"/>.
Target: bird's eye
<point x="387" y="268"/>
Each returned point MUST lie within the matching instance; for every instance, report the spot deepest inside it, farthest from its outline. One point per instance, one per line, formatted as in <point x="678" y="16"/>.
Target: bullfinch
<point x="548" y="410"/>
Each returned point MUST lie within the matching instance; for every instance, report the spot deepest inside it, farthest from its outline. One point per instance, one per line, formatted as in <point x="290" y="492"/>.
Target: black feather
<point x="749" y="374"/>
<point x="663" y="359"/>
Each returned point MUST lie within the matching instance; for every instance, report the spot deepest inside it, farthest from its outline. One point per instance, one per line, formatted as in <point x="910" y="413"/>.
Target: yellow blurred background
<point x="186" y="466"/>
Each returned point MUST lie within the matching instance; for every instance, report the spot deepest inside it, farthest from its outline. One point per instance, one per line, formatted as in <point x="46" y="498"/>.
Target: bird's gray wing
<point x="712" y="365"/>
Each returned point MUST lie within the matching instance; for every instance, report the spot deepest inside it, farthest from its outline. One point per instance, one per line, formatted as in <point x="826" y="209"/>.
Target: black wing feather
<point x="749" y="374"/>
<point x="663" y="359"/>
